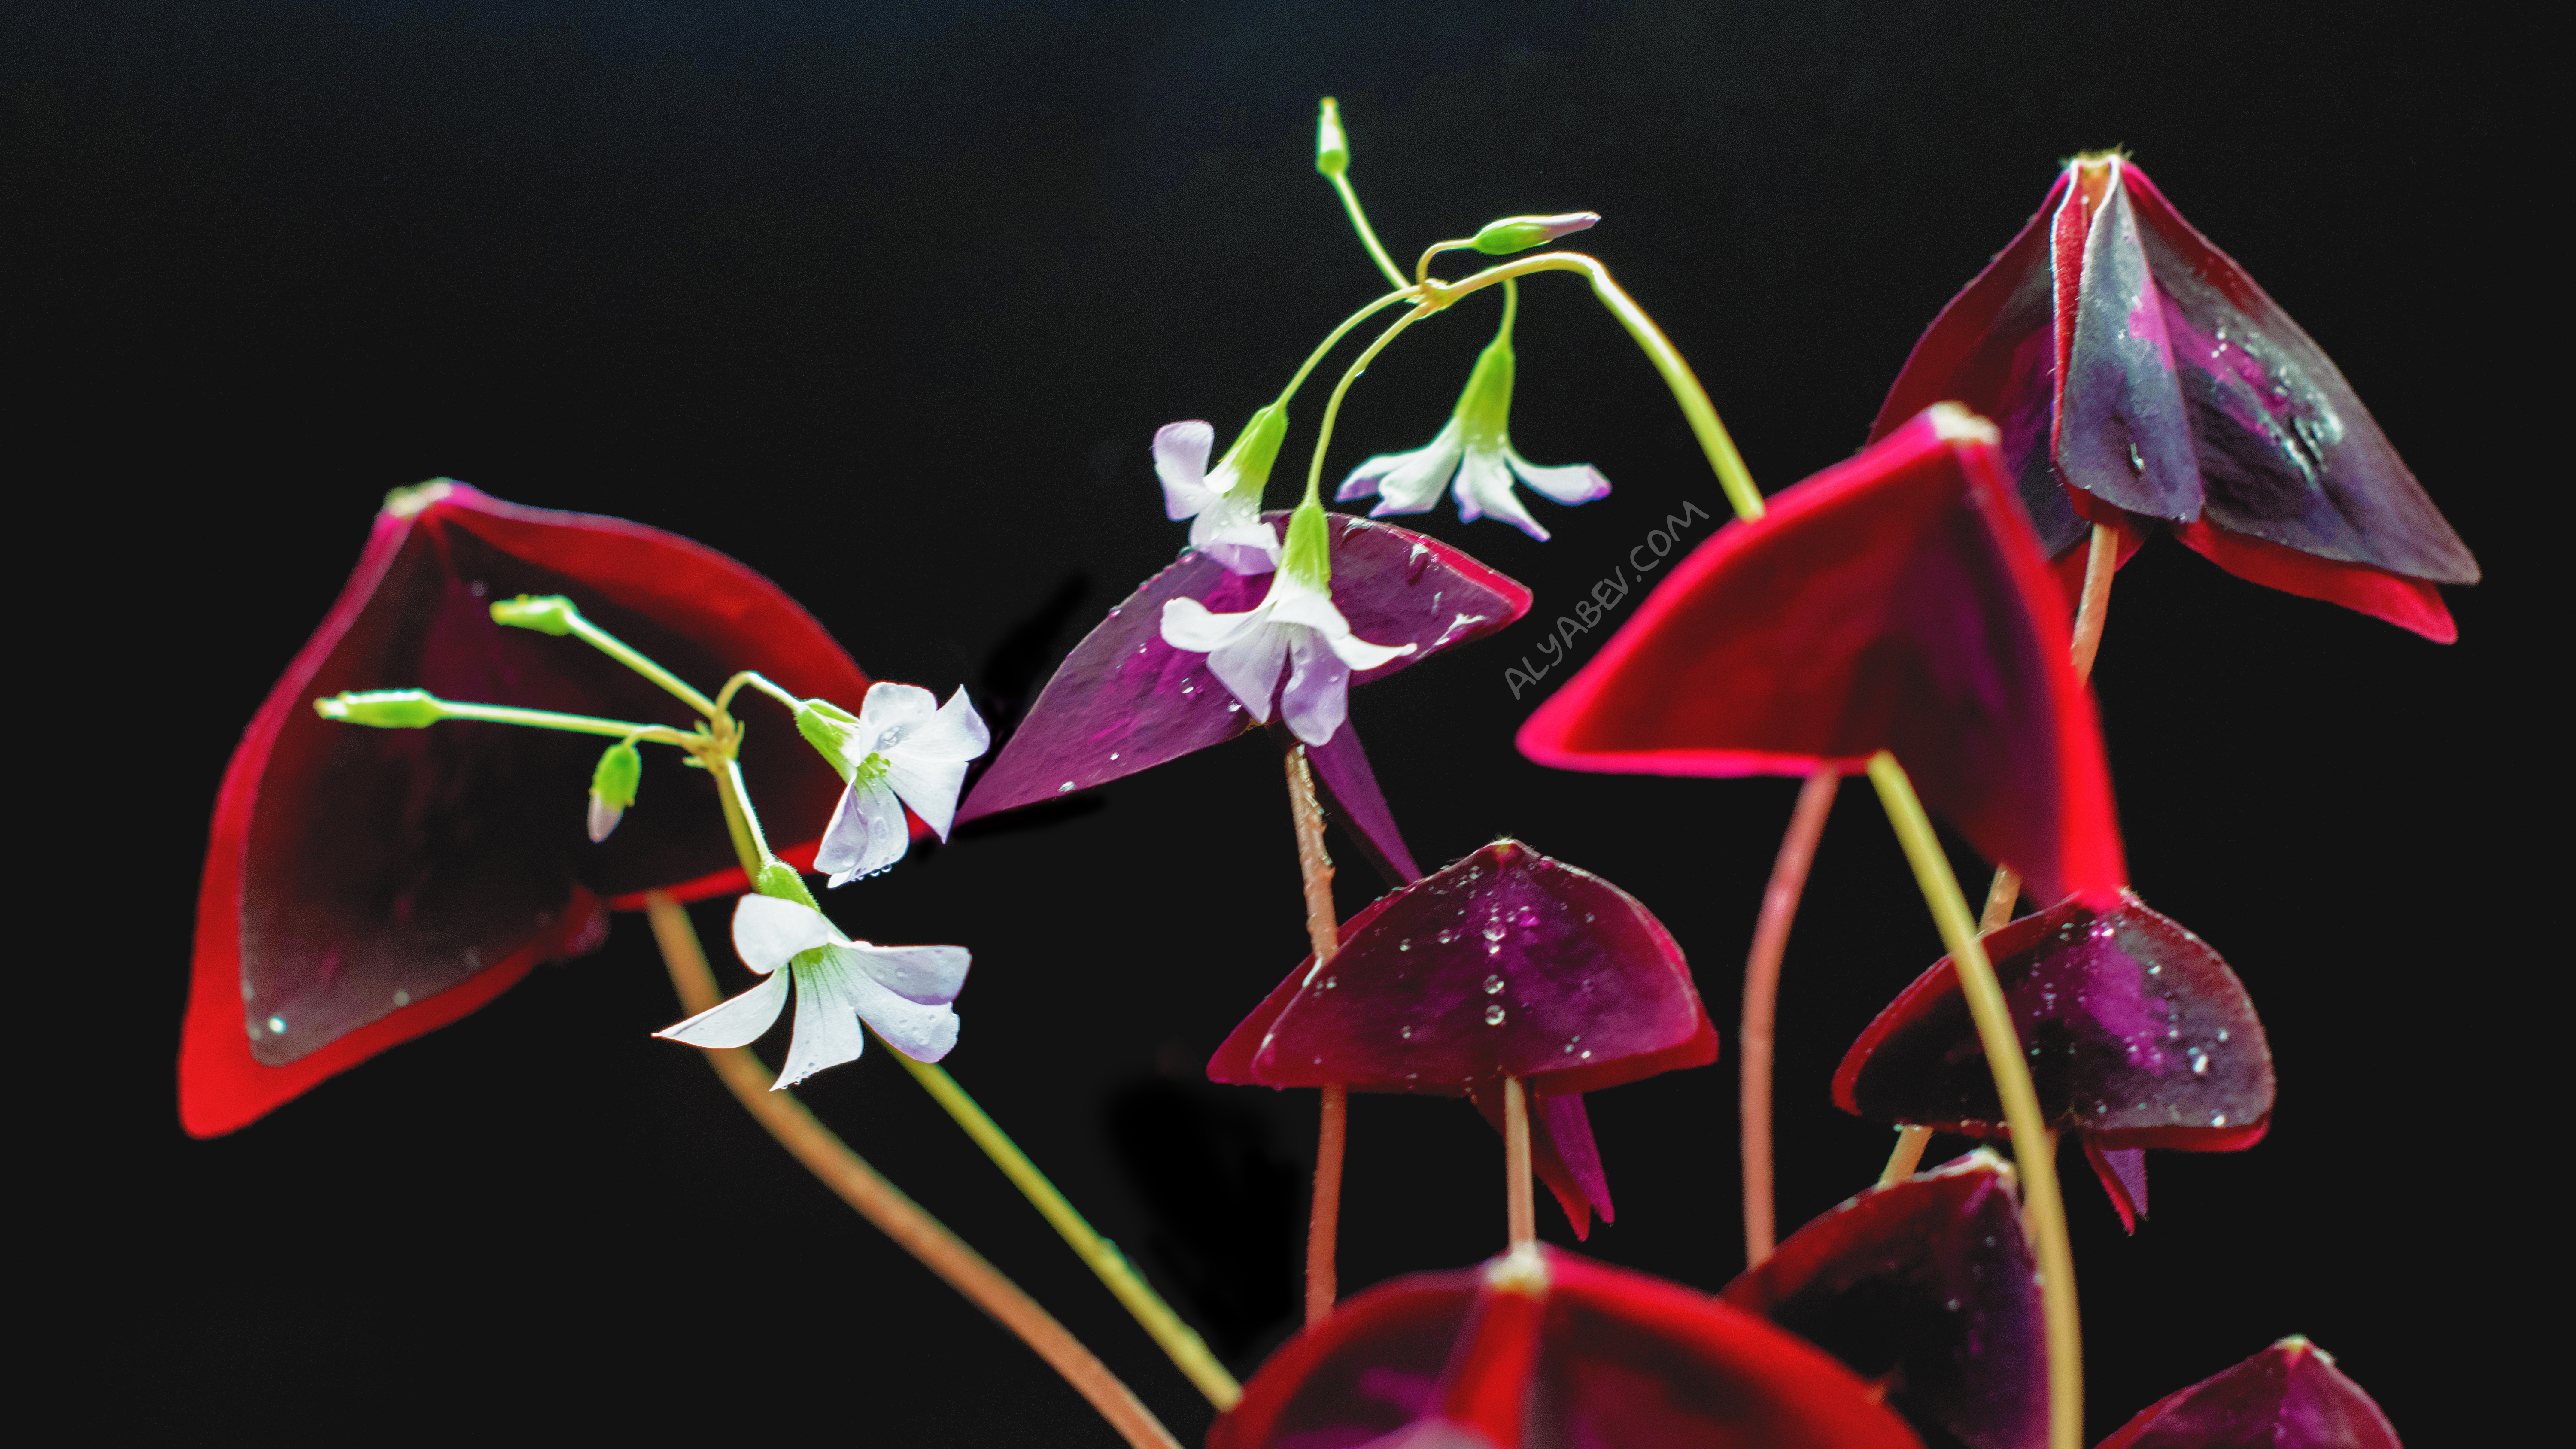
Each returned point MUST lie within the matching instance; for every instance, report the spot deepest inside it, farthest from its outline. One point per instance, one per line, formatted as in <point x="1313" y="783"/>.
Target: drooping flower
<point x="1224" y="505"/>
<point x="2289" y="1396"/>
<point x="1126" y="700"/>
<point x="1294" y="625"/>
<point x="2139" y="1036"/>
<point x="1896" y="601"/>
<point x="903" y="748"/>
<point x="1503" y="964"/>
<point x="1540" y="1347"/>
<point x="1476" y="446"/>
<point x="364" y="886"/>
<point x="1925" y="1287"/>
<point x="2143" y="380"/>
<point x="902" y="991"/>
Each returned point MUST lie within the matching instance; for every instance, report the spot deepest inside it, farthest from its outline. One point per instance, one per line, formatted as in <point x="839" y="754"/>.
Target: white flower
<point x="1297" y="622"/>
<point x="902" y="991"/>
<point x="903" y="748"/>
<point x="1225" y="507"/>
<point x="1476" y="445"/>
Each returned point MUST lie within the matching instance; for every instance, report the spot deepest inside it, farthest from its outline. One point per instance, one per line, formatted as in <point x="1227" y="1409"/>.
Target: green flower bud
<point x="1520" y="233"/>
<point x="386" y="709"/>
<point x="1308" y="554"/>
<point x="553" y="614"/>
<point x="1245" y="468"/>
<point x="828" y="727"/>
<point x="1332" y="147"/>
<point x="612" y="788"/>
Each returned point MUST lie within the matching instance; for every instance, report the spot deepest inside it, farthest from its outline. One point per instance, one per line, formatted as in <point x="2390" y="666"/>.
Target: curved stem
<point x="626" y="654"/>
<point x="1693" y="398"/>
<point x="1761" y="1001"/>
<point x="1422" y="268"/>
<point x="580" y="724"/>
<point x="1333" y="409"/>
<point x="759" y="681"/>
<point x="1335" y="339"/>
<point x="1360" y="224"/>
<point x="2043" y="1208"/>
<point x="1520" y="1200"/>
<point x="1315" y="872"/>
<point x="883" y="1204"/>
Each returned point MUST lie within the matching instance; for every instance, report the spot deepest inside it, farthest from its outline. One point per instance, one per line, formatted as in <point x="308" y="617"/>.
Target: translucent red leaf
<point x="1896" y="601"/>
<point x="1124" y="700"/>
<point x="2139" y="1035"/>
<point x="2289" y="1396"/>
<point x="1575" y="1354"/>
<point x="1925" y="1285"/>
<point x="363" y="886"/>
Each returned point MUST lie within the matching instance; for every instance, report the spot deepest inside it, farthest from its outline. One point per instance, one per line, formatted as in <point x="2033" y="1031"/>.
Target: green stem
<point x="2043" y="1210"/>
<point x="1187" y="1350"/>
<point x="753" y="677"/>
<point x="1332" y="409"/>
<point x="1360" y="223"/>
<point x="1329" y="343"/>
<point x="1728" y="464"/>
<point x="624" y="653"/>
<point x="545" y="719"/>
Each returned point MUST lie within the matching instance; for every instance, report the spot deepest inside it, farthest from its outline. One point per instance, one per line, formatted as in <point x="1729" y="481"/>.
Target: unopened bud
<point x="552" y="614"/>
<point x="612" y="788"/>
<point x="386" y="709"/>
<point x="1332" y="146"/>
<point x="1520" y="233"/>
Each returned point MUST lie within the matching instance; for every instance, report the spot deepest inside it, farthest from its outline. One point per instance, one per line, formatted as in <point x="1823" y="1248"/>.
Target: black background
<point x="887" y="301"/>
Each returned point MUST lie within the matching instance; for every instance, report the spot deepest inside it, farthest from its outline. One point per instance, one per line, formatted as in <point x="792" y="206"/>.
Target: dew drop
<point x="1587" y="1053"/>
<point x="2218" y="1119"/>
<point x="1952" y="1305"/>
<point x="2155" y="971"/>
<point x="1113" y="754"/>
<point x="1495" y="933"/>
<point x="1494" y="1017"/>
<point x="1405" y="945"/>
<point x="402" y="998"/>
<point x="1587" y="916"/>
<point x="277" y="1024"/>
<point x="1065" y="789"/>
<point x="253" y="1028"/>
<point x="1405" y="1032"/>
<point x="1332" y="981"/>
<point x="473" y="959"/>
<point x="478" y="588"/>
<point x="1493" y="985"/>
<point x="2222" y="1033"/>
<point x="247" y="991"/>
<point x="1445" y="937"/>
<point x="2199" y="1062"/>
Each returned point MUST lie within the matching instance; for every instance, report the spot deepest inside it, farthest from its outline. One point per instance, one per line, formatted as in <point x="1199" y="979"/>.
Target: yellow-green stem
<point x="1910" y="1142"/>
<point x="626" y="654"/>
<point x="1333" y="409"/>
<point x="1360" y="224"/>
<point x="1335" y="340"/>
<point x="2043" y="1208"/>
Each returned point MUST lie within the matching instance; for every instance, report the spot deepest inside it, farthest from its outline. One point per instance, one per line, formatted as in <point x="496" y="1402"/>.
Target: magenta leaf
<point x="1925" y="1285"/>
<point x="1350" y="788"/>
<point x="1545" y="1348"/>
<point x="1125" y="701"/>
<point x="2289" y="1396"/>
<point x="2139" y="1035"/>
<point x="1892" y="602"/>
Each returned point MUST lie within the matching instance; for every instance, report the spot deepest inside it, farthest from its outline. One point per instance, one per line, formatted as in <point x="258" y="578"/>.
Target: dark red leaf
<point x="1124" y="700"/>
<point x="2289" y="1396"/>
<point x="1925" y="1285"/>
<point x="2139" y="1035"/>
<point x="2123" y="1174"/>
<point x="1896" y="601"/>
<point x="1562" y="1152"/>
<point x="1545" y="1348"/>
<point x="363" y="886"/>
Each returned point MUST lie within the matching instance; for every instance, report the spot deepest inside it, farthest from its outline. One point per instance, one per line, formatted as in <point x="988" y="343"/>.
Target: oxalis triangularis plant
<point x="395" y="843"/>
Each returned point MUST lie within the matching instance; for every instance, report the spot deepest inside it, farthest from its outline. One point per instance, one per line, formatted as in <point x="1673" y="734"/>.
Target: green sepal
<point x="1308" y="556"/>
<point x="552" y="614"/>
<point x="780" y="880"/>
<point x="1254" y="450"/>
<point x="385" y="709"/>
<point x="1520" y="233"/>
<point x="1485" y="404"/>
<point x="1332" y="144"/>
<point x="620" y="771"/>
<point x="826" y="726"/>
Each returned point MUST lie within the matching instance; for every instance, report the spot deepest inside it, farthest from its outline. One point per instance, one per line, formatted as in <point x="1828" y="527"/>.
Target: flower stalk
<point x="1315" y="872"/>
<point x="1761" y="1004"/>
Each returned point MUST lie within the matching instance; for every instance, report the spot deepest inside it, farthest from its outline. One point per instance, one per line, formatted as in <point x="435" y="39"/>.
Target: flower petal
<point x="767" y="931"/>
<point x="1485" y="486"/>
<point x="894" y="710"/>
<point x="1572" y="484"/>
<point x="1232" y="531"/>
<point x="827" y="1019"/>
<point x="867" y="834"/>
<point x="930" y="975"/>
<point x="930" y="787"/>
<point x="1413" y="481"/>
<point x="1318" y="696"/>
<point x="735" y="1023"/>
<point x="1248" y="666"/>
<point x="1180" y="461"/>
<point x="923" y="1032"/>
<point x="1293" y="603"/>
<point x="956" y="732"/>
<point x="1188" y="625"/>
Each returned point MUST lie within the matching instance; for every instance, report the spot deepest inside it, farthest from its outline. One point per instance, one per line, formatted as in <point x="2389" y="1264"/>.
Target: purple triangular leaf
<point x="1342" y="768"/>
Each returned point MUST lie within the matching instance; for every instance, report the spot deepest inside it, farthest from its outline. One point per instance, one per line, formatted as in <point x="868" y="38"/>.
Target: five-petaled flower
<point x="1224" y="506"/>
<point x="1475" y="445"/>
<point x="902" y="991"/>
<point x="1295" y="623"/>
<point x="901" y="748"/>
